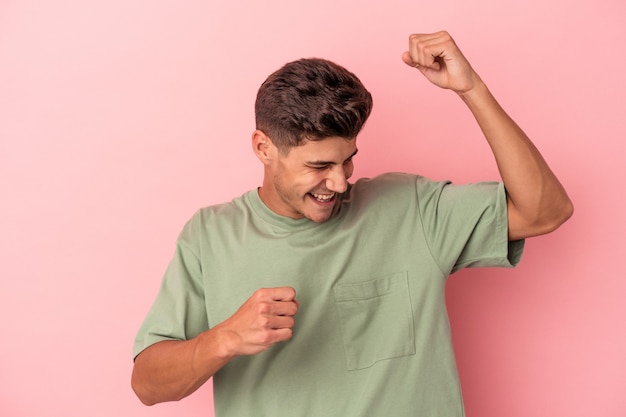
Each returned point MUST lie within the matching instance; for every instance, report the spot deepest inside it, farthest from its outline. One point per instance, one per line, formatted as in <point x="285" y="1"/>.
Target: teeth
<point x="323" y="197"/>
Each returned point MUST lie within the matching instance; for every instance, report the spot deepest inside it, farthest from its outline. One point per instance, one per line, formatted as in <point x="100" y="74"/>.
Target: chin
<point x="319" y="219"/>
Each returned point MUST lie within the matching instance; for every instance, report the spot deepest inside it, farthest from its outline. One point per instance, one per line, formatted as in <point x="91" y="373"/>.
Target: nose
<point x="337" y="180"/>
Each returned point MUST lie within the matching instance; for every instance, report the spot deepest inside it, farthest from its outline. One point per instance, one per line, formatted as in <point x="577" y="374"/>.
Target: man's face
<point x="306" y="181"/>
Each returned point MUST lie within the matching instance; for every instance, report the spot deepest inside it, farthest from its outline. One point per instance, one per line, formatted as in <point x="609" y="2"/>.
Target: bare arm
<point x="537" y="202"/>
<point x="171" y="370"/>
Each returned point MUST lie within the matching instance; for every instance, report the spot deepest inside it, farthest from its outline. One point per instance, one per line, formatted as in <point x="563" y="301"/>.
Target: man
<point x="369" y="260"/>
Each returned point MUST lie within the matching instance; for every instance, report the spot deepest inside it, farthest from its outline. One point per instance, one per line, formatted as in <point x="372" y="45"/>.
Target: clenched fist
<point x="267" y="317"/>
<point x="437" y="56"/>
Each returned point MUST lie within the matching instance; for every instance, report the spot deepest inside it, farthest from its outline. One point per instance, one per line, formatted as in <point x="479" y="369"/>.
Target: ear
<point x="263" y="147"/>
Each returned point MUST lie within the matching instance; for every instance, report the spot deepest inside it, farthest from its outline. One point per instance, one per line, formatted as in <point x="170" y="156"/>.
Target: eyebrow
<point x="321" y="162"/>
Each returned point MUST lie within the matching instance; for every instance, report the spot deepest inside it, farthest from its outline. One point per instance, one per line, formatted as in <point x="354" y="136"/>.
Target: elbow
<point x="151" y="394"/>
<point x="141" y="393"/>
<point x="564" y="213"/>
<point x="568" y="211"/>
<point x="145" y="401"/>
<point x="142" y="388"/>
<point x="541" y="221"/>
<point x="557" y="216"/>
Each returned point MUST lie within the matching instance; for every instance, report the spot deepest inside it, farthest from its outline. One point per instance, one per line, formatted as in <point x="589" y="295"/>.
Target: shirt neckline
<point x="287" y="223"/>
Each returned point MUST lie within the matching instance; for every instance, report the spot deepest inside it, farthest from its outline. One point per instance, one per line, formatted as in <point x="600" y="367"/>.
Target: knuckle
<point x="260" y="293"/>
<point x="293" y="309"/>
<point x="262" y="309"/>
<point x="292" y="293"/>
<point x="265" y="338"/>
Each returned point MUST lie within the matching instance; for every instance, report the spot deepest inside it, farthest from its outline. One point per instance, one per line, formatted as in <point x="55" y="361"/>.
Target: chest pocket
<point x="376" y="320"/>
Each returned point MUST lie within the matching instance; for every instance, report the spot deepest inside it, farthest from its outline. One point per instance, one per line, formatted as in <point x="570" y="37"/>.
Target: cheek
<point x="349" y="170"/>
<point x="308" y="182"/>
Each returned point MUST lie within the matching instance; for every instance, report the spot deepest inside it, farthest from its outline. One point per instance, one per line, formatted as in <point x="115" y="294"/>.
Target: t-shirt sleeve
<point x="467" y="225"/>
<point x="179" y="311"/>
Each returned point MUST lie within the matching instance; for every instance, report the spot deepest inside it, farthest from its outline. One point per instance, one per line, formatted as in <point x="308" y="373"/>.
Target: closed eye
<point x="321" y="167"/>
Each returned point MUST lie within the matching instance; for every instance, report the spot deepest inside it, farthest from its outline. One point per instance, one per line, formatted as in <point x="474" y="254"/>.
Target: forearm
<point x="172" y="370"/>
<point x="537" y="201"/>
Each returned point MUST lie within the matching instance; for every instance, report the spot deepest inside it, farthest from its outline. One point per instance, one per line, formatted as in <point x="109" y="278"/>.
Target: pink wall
<point x="118" y="119"/>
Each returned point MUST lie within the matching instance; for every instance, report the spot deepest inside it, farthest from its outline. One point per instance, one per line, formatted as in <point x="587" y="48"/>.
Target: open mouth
<point x="323" y="198"/>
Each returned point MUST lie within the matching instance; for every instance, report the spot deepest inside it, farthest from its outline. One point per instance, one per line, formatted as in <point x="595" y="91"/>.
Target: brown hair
<point x="311" y="99"/>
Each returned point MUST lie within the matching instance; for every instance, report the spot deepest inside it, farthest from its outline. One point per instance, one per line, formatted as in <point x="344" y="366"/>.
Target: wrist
<point x="479" y="98"/>
<point x="476" y="93"/>
<point x="215" y="346"/>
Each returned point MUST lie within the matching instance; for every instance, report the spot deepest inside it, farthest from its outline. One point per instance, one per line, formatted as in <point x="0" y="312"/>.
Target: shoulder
<point x="405" y="190"/>
<point x="398" y="184"/>
<point x="389" y="194"/>
<point x="216" y="216"/>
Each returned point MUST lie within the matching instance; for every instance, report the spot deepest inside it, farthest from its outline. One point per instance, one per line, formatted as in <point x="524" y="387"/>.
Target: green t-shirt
<point x="372" y="336"/>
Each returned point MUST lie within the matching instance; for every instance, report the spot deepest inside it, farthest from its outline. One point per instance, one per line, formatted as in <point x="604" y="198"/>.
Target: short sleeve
<point x="179" y="311"/>
<point x="467" y="225"/>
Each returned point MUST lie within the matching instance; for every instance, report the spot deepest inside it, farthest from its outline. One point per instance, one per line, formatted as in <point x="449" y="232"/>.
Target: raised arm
<point x="537" y="202"/>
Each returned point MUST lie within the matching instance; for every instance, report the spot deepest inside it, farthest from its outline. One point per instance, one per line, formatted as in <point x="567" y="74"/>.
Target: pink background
<point x="119" y="119"/>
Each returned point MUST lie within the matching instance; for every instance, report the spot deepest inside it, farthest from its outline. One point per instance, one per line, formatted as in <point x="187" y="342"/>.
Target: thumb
<point x="406" y="57"/>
